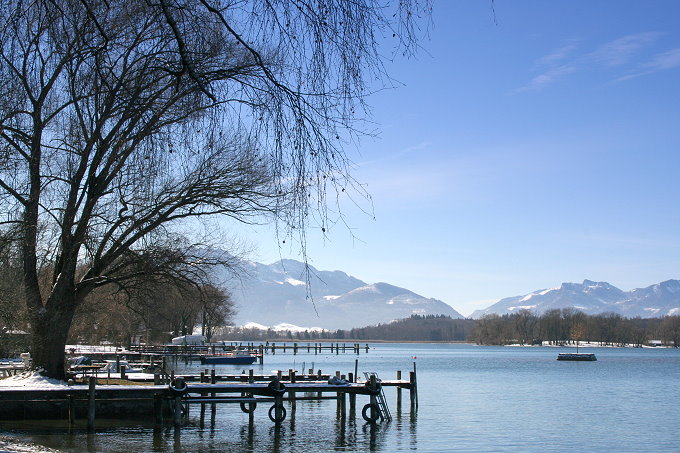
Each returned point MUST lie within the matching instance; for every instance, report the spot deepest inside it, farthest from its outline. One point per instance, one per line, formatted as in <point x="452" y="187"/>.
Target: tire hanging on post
<point x="272" y="414"/>
<point x="369" y="415"/>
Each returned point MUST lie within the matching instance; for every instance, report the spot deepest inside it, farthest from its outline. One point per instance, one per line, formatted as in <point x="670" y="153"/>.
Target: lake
<point x="472" y="398"/>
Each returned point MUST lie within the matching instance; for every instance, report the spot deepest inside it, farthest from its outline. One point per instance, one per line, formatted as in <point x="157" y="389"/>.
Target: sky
<point x="529" y="143"/>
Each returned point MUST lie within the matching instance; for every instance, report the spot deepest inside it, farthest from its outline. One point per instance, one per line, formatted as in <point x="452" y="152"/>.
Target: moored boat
<point x="576" y="356"/>
<point x="229" y="359"/>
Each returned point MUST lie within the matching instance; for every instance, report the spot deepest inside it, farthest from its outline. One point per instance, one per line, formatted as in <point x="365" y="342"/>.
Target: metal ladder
<point x="380" y="397"/>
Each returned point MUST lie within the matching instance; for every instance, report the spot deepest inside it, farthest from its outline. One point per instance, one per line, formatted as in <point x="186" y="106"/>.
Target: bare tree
<point x="123" y="122"/>
<point x="217" y="309"/>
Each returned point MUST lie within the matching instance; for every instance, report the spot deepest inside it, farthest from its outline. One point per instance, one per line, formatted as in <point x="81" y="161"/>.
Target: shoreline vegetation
<point x="558" y="327"/>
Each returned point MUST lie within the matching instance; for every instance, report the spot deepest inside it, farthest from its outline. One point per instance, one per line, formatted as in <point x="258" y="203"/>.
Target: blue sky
<point x="519" y="152"/>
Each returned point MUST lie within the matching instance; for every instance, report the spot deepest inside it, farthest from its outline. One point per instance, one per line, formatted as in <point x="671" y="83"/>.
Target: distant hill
<point x="596" y="297"/>
<point x="278" y="293"/>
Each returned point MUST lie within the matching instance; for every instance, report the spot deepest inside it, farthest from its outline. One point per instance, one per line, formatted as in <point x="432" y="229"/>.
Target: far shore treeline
<point x="557" y="327"/>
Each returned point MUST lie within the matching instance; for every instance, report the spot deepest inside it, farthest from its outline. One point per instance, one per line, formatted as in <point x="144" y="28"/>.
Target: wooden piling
<point x="352" y="398"/>
<point x="374" y="398"/>
<point x="251" y="406"/>
<point x="202" y="418"/>
<point x="178" y="411"/>
<point x="91" y="402"/>
<point x="291" y="393"/>
<point x="342" y="396"/>
<point x="71" y="410"/>
<point x="278" y="402"/>
<point x="413" y="389"/>
<point x="157" y="409"/>
<point x="398" y="393"/>
<point x="213" y="406"/>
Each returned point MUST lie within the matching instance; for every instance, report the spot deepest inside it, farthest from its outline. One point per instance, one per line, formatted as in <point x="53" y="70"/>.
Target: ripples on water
<point x="471" y="399"/>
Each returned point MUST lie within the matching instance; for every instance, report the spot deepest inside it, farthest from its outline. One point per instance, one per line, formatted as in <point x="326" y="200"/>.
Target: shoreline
<point x="10" y="444"/>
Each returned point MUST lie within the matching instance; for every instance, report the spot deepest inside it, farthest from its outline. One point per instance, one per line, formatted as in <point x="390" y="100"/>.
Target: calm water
<point x="472" y="398"/>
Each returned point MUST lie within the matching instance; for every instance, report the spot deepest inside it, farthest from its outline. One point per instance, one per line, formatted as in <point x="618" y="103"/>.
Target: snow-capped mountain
<point x="280" y="293"/>
<point x="595" y="297"/>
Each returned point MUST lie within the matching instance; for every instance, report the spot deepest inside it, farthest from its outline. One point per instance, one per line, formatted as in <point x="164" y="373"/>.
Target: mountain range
<point x="288" y="292"/>
<point x="595" y="297"/>
<point x="284" y="292"/>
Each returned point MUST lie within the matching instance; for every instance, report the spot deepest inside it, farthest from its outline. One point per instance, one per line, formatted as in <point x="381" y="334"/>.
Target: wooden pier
<point x="171" y="402"/>
<point x="157" y="354"/>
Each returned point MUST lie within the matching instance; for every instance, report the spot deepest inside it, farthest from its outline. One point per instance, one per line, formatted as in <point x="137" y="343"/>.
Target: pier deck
<point x="171" y="402"/>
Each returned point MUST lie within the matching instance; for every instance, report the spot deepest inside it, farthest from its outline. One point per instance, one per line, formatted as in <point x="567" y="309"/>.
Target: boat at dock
<point x="236" y="358"/>
<point x="575" y="356"/>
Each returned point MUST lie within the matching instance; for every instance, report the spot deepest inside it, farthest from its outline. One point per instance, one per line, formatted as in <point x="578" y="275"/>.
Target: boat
<point x="587" y="357"/>
<point x="236" y="358"/>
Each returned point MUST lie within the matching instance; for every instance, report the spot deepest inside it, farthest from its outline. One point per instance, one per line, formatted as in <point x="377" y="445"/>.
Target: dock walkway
<point x="146" y="396"/>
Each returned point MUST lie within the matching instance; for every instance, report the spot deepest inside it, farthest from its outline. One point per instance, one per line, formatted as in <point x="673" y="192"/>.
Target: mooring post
<point x="251" y="406"/>
<point x="157" y="409"/>
<point x="293" y="403"/>
<point x="273" y="348"/>
<point x="203" y="379"/>
<point x="338" y="399"/>
<point x="91" y="403"/>
<point x="413" y="388"/>
<point x="398" y="392"/>
<point x="356" y="369"/>
<point x="415" y="382"/>
<point x="71" y="410"/>
<point x="122" y="372"/>
<point x="374" y="398"/>
<point x="178" y="411"/>
<point x="343" y="402"/>
<point x="367" y="348"/>
<point x="295" y="346"/>
<point x="278" y="401"/>
<point x="352" y="397"/>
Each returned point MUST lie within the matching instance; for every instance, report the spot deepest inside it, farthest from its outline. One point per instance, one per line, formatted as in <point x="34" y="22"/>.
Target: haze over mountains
<point x="596" y="297"/>
<point x="277" y="293"/>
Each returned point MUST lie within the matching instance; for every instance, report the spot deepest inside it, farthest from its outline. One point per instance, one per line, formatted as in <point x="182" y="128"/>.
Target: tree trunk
<point x="50" y="332"/>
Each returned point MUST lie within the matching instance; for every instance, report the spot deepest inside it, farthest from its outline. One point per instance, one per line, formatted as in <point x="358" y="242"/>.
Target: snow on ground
<point x="32" y="380"/>
<point x="9" y="444"/>
<point x="254" y="325"/>
<point x="283" y="327"/>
